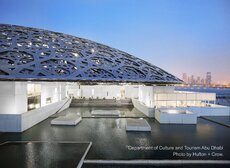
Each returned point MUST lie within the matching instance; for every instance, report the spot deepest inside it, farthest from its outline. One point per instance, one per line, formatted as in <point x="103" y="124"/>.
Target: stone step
<point x="69" y="119"/>
<point x="137" y="125"/>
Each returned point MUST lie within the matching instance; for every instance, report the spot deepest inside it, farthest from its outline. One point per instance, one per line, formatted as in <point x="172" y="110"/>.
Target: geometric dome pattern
<point x="35" y="54"/>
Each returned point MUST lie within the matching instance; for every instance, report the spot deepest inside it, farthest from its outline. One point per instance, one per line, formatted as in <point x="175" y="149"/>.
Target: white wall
<point x="13" y="104"/>
<point x="21" y="122"/>
<point x="163" y="89"/>
<point x="167" y="118"/>
<point x="183" y="98"/>
<point x="148" y="111"/>
<point x="55" y="90"/>
<point x="20" y="97"/>
<point x="131" y="91"/>
<point x="146" y="95"/>
<point x="13" y="97"/>
<point x="7" y="101"/>
<point x="206" y="111"/>
<point x="73" y="89"/>
<point x="101" y="91"/>
<point x="10" y="122"/>
<point x="31" y="118"/>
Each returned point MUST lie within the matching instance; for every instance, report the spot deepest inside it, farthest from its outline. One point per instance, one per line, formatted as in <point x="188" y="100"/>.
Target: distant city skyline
<point x="204" y="80"/>
<point x="179" y="36"/>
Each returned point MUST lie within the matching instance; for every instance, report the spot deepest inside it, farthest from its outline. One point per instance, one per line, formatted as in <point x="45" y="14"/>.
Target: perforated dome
<point x="35" y="54"/>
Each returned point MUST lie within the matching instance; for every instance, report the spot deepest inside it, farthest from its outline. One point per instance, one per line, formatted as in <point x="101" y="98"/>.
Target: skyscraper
<point x="208" y="79"/>
<point x="198" y="80"/>
<point x="192" y="80"/>
<point x="185" y="78"/>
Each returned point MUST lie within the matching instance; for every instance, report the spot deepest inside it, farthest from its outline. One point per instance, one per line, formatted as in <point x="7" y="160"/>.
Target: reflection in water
<point x="143" y="141"/>
<point x="30" y="155"/>
<point x="110" y="138"/>
<point x="125" y="111"/>
<point x="205" y="131"/>
<point x="118" y="123"/>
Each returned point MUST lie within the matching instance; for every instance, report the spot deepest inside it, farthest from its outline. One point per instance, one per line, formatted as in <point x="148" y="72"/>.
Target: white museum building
<point x="42" y="72"/>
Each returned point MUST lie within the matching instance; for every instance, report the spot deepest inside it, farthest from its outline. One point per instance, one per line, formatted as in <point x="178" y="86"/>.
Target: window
<point x="48" y="100"/>
<point x="33" y="96"/>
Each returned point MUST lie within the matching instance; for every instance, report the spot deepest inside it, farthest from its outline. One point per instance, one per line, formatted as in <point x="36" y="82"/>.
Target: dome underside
<point x="34" y="54"/>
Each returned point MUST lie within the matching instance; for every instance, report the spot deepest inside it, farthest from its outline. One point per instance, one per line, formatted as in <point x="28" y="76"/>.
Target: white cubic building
<point x="41" y="72"/>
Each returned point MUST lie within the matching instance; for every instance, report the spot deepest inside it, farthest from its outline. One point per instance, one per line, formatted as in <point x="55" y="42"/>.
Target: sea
<point x="222" y="94"/>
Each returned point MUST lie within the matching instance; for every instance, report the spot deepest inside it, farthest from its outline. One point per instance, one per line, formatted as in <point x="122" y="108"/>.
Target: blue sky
<point x="191" y="36"/>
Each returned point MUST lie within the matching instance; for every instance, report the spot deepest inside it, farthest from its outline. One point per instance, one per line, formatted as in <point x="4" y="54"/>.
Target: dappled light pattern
<point x="35" y="54"/>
